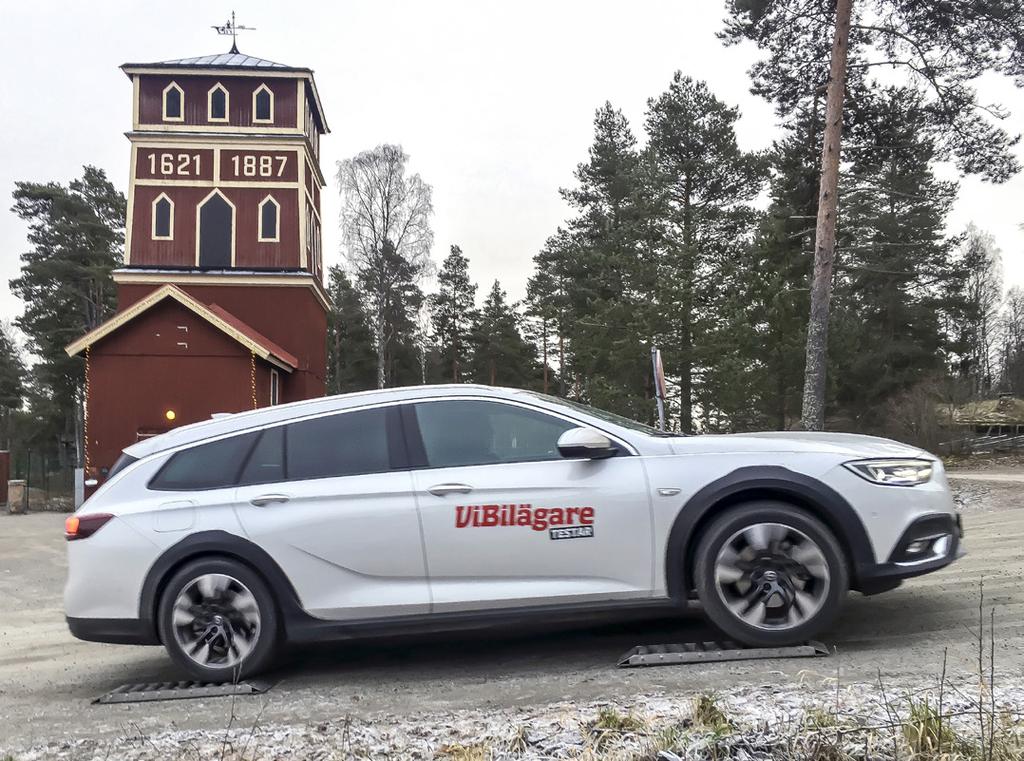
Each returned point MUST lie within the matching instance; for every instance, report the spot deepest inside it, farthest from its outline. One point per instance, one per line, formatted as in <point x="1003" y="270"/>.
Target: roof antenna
<point x="233" y="29"/>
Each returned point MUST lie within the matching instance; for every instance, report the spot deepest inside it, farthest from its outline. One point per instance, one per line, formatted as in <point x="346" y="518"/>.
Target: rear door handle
<point x="442" y="489"/>
<point x="267" y="499"/>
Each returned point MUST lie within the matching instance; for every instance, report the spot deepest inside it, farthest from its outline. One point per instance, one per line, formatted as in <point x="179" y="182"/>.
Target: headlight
<point x="893" y="472"/>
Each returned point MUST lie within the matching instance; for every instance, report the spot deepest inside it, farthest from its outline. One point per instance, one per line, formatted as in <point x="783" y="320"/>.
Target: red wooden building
<point x="221" y="305"/>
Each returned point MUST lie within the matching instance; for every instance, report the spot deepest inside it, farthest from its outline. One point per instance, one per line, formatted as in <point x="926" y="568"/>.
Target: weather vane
<point x="233" y="29"/>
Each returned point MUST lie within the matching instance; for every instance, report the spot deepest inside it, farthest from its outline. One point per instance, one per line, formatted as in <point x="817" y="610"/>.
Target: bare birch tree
<point x="385" y="225"/>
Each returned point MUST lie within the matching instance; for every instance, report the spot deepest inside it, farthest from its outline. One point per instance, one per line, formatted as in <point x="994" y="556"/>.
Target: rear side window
<point x="266" y="463"/>
<point x="348" y="444"/>
<point x="207" y="466"/>
<point x="122" y="462"/>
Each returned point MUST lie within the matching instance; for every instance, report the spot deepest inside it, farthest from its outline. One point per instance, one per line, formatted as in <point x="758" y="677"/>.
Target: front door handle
<point x="442" y="489"/>
<point x="267" y="499"/>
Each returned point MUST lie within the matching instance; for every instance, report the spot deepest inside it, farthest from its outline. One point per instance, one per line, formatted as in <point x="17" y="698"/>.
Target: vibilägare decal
<point x="537" y="518"/>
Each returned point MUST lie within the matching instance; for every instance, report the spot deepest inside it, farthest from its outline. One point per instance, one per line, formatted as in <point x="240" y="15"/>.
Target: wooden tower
<point x="221" y="305"/>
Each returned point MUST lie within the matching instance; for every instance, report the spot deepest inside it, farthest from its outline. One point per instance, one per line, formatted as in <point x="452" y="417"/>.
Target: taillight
<point x="82" y="526"/>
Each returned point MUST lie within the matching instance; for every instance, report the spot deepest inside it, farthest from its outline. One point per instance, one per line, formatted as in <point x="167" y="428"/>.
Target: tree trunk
<point x="825" y="231"/>
<point x="380" y="350"/>
<point x="544" y="343"/>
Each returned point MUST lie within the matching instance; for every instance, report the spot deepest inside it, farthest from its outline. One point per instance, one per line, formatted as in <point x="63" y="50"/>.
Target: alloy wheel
<point x="216" y="620"/>
<point x="772" y="576"/>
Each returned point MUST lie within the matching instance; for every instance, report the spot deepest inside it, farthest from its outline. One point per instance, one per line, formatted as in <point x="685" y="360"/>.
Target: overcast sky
<point x="493" y="101"/>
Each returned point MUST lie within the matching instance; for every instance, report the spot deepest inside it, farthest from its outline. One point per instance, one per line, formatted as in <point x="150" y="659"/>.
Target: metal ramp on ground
<point x="146" y="692"/>
<point x="714" y="652"/>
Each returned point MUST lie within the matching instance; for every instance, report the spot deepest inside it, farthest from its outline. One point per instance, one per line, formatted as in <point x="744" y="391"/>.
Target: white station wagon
<point x="437" y="507"/>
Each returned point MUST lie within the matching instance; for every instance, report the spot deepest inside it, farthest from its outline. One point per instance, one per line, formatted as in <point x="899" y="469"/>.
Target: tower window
<point x="217" y="103"/>
<point x="215" y="241"/>
<point x="275" y="387"/>
<point x="163" y="218"/>
<point x="263" y="104"/>
<point x="174" y="103"/>
<point x="270" y="220"/>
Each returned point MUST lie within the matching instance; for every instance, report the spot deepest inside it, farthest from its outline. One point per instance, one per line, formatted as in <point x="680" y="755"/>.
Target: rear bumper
<point x="942" y="533"/>
<point x="118" y="631"/>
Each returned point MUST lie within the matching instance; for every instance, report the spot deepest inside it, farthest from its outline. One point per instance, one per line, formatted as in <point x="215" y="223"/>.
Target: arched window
<point x="217" y="103"/>
<point x="174" y="103"/>
<point x="263" y="104"/>
<point x="215" y="237"/>
<point x="270" y="220"/>
<point x="163" y="218"/>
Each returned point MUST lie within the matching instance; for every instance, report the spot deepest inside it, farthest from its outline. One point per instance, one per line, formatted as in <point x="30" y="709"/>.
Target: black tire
<point x="712" y="590"/>
<point x="259" y="642"/>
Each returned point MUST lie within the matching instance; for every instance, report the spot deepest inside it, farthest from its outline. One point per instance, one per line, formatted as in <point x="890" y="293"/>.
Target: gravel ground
<point x="457" y="695"/>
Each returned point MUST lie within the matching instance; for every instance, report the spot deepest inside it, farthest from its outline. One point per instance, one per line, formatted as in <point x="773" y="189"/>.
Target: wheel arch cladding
<point x="216" y="544"/>
<point x="763" y="483"/>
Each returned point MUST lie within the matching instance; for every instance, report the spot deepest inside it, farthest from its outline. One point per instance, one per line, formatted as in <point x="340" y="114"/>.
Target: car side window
<point x="468" y="432"/>
<point x="266" y="463"/>
<point x="208" y="466"/>
<point x="346" y="444"/>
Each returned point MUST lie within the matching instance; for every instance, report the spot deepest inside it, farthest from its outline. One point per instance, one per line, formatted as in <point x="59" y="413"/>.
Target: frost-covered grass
<point x="853" y="723"/>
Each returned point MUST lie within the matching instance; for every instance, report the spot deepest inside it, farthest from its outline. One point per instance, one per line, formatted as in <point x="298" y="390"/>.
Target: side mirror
<point x="586" y="442"/>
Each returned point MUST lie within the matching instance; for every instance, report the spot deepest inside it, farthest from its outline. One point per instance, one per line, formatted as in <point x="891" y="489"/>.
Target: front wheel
<point x="769" y="574"/>
<point x="218" y="620"/>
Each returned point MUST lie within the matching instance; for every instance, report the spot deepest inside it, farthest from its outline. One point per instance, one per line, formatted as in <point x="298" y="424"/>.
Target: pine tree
<point x="941" y="47"/>
<point x="982" y="297"/>
<point x="1012" y="328"/>
<point x="77" y="238"/>
<point x="593" y="283"/>
<point x="351" y="356"/>
<point x="703" y="187"/>
<point x="12" y="382"/>
<point x="452" y="313"/>
<point x="501" y="357"/>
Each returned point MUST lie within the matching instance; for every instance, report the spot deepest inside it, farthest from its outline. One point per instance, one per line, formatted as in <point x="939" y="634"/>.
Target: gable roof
<point x="216" y="315"/>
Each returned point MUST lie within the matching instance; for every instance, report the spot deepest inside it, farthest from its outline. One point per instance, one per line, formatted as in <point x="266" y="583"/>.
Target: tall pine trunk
<point x="825" y="231"/>
<point x="380" y="349"/>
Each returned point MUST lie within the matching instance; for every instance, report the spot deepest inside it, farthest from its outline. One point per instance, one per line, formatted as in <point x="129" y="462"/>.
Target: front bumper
<point x="929" y="543"/>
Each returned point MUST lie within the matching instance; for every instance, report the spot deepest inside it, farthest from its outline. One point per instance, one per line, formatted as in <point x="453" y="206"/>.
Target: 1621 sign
<point x="175" y="164"/>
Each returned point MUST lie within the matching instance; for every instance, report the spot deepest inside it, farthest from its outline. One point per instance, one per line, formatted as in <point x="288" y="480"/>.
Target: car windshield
<point x="608" y="417"/>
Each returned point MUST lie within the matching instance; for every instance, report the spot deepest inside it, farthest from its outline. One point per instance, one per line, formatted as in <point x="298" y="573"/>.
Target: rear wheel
<point x="769" y="574"/>
<point x="218" y="620"/>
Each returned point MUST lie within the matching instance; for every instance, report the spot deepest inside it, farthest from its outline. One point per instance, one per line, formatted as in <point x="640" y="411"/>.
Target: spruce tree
<point x="776" y="286"/>
<point x="896" y="262"/>
<point x="501" y="356"/>
<point x="351" y="354"/>
<point x="452" y="313"/>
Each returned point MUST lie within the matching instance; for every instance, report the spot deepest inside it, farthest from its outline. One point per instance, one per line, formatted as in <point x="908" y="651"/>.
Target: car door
<point x="508" y="522"/>
<point x="330" y="498"/>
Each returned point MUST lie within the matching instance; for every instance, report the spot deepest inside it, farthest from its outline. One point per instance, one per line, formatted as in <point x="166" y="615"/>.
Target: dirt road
<point x="47" y="678"/>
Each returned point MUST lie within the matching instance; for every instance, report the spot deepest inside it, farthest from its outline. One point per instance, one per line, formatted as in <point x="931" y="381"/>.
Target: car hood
<point x="850" y="444"/>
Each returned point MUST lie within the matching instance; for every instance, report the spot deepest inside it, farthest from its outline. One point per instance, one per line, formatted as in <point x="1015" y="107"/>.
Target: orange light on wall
<point x="170" y="414"/>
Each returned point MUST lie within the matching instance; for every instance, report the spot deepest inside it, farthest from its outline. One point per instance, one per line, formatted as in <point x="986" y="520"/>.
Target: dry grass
<point x="460" y="752"/>
<point x="709" y="716"/>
